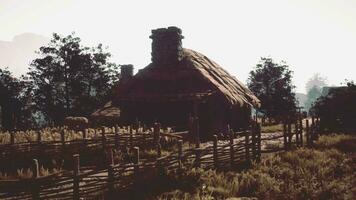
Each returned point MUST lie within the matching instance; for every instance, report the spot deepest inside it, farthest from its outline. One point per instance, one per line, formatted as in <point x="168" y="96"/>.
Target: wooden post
<point x="231" y="138"/>
<point x="159" y="166"/>
<point x="39" y="137"/>
<point x="258" y="131"/>
<point x="197" y="157"/>
<point x="131" y="136"/>
<point x="76" y="167"/>
<point x="85" y="131"/>
<point x="110" y="180"/>
<point x="136" y="160"/>
<point x="110" y="157"/>
<point x="117" y="140"/>
<point x="253" y="133"/>
<point x="215" y="151"/>
<point x="12" y="137"/>
<point x="307" y="133"/>
<point x="285" y="137"/>
<point x="289" y="135"/>
<point x="247" y="147"/>
<point x="196" y="132"/>
<point x="103" y="137"/>
<point x="35" y="175"/>
<point x="144" y="128"/>
<point x="301" y="130"/>
<point x="156" y="133"/>
<point x="296" y="131"/>
<point x="63" y="139"/>
<point x="180" y="154"/>
<point x="159" y="150"/>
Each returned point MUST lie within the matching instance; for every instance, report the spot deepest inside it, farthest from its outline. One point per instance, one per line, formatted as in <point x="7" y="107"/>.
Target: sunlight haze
<point x="311" y="36"/>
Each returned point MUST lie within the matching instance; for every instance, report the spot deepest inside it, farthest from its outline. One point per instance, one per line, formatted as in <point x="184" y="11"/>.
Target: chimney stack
<point x="126" y="72"/>
<point x="166" y="45"/>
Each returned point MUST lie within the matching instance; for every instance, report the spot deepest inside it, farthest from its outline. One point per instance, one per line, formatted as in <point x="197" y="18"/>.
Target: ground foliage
<point x="320" y="173"/>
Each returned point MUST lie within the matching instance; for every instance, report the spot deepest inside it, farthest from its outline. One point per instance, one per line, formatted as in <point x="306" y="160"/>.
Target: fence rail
<point x="240" y="148"/>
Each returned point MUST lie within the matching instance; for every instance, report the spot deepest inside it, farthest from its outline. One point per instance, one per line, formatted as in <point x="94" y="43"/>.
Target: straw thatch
<point x="194" y="77"/>
<point x="107" y="114"/>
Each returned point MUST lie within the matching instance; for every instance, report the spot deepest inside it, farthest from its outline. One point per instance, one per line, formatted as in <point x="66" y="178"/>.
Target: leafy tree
<point x="272" y="83"/>
<point x="14" y="102"/>
<point x="314" y="88"/>
<point x="337" y="109"/>
<point x="71" y="79"/>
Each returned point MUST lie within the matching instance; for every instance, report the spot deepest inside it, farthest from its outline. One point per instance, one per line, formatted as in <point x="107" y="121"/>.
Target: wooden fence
<point x="239" y="150"/>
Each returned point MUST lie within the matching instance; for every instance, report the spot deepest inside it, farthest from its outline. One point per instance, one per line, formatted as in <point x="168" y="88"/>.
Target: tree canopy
<point x="271" y="82"/>
<point x="337" y="109"/>
<point x="71" y="79"/>
<point x="14" y="102"/>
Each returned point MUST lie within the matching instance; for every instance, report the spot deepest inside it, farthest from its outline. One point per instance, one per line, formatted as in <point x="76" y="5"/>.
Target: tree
<point x="71" y="79"/>
<point x="314" y="88"/>
<point x="337" y="109"/>
<point x="14" y="101"/>
<point x="272" y="84"/>
<point x="317" y="81"/>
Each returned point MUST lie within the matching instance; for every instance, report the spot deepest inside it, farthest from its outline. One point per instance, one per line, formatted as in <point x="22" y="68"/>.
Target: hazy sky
<point x="310" y="35"/>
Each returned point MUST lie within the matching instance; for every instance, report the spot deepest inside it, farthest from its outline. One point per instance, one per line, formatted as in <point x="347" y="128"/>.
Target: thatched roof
<point x="107" y="111"/>
<point x="193" y="76"/>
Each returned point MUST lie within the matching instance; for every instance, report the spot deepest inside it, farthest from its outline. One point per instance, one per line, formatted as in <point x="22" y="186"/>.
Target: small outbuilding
<point x="179" y="83"/>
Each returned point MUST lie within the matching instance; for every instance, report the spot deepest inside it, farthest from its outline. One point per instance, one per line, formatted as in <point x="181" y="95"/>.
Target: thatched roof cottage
<point x="180" y="83"/>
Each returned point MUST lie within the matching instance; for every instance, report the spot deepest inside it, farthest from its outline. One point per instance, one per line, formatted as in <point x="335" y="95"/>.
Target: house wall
<point x="214" y="115"/>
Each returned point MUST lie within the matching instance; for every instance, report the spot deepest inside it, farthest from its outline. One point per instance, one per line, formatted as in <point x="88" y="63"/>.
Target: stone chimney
<point x="166" y="45"/>
<point x="126" y="72"/>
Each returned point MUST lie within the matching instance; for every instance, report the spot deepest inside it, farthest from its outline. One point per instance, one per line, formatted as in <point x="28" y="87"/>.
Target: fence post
<point x="35" y="175"/>
<point x="103" y="137"/>
<point x="117" y="140"/>
<point x="307" y="133"/>
<point x="131" y="136"/>
<point x="12" y="137"/>
<point x="253" y="134"/>
<point x="215" y="151"/>
<point x="136" y="160"/>
<point x="289" y="135"/>
<point x="285" y="137"/>
<point x="39" y="137"/>
<point x="63" y="138"/>
<point x="85" y="131"/>
<point x="197" y="157"/>
<point x="180" y="154"/>
<point x="144" y="128"/>
<point x="296" y="131"/>
<point x="159" y="150"/>
<point x="301" y="130"/>
<point x="231" y="138"/>
<point x="156" y="133"/>
<point x="258" y="131"/>
<point x="76" y="176"/>
<point x="196" y="132"/>
<point x="247" y="147"/>
<point x="110" y="180"/>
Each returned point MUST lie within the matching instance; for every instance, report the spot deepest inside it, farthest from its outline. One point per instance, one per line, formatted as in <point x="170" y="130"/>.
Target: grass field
<point x="325" y="172"/>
